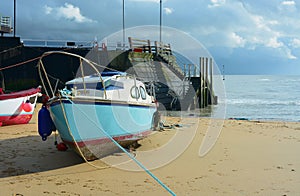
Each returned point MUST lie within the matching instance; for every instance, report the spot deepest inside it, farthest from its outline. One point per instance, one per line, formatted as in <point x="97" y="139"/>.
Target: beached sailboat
<point x="17" y="107"/>
<point x="94" y="111"/>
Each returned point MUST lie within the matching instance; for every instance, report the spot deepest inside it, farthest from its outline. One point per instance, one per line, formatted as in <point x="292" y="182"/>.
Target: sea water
<point x="263" y="97"/>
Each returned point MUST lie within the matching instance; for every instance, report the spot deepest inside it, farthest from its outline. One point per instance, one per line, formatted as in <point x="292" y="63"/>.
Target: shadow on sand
<point x="29" y="154"/>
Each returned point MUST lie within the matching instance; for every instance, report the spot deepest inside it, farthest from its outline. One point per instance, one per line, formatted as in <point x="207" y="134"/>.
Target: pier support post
<point x="201" y="82"/>
<point x="206" y="90"/>
<point x="211" y="82"/>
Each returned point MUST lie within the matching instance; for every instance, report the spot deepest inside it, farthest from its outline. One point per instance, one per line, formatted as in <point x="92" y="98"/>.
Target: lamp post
<point x="123" y="24"/>
<point x="14" y="18"/>
<point x="160" y="20"/>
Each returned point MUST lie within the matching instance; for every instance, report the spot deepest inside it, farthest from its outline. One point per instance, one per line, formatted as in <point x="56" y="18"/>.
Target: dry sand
<point x="249" y="158"/>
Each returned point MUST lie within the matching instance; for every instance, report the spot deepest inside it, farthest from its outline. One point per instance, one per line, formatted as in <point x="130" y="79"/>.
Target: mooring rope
<point x="118" y="145"/>
<point x="18" y="64"/>
<point x="23" y="62"/>
<point x="77" y="146"/>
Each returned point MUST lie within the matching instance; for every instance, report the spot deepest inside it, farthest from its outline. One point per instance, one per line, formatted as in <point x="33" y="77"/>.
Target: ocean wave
<point x="262" y="102"/>
<point x="263" y="97"/>
<point x="264" y="79"/>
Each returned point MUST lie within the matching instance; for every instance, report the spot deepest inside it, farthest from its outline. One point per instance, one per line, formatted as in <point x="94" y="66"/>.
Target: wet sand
<point x="249" y="158"/>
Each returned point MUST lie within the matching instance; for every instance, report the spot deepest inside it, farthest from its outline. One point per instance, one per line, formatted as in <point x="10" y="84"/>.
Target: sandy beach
<point x="249" y="158"/>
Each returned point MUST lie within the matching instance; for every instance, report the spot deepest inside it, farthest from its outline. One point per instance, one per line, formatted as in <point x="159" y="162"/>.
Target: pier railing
<point x="58" y="43"/>
<point x="138" y="45"/>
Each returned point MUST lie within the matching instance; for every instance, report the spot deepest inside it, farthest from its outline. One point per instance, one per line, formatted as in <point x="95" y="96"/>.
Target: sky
<point x="247" y="37"/>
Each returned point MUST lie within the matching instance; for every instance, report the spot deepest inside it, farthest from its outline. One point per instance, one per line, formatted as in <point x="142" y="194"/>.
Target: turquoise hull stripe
<point x="16" y="114"/>
<point x="116" y="120"/>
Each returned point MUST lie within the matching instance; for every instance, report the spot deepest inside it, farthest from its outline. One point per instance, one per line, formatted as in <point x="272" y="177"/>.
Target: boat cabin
<point x="111" y="86"/>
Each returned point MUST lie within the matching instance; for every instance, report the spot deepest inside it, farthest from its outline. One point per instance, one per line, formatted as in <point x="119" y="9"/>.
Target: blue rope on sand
<point x="124" y="150"/>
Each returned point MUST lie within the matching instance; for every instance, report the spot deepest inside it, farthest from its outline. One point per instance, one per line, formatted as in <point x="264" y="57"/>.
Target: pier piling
<point x="206" y="96"/>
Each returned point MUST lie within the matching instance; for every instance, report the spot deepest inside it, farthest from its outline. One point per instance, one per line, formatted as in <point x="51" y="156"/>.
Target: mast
<point x="123" y="24"/>
<point x="223" y="72"/>
<point x="14" y="18"/>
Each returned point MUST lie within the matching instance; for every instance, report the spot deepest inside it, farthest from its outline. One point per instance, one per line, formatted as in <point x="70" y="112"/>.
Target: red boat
<point x="18" y="107"/>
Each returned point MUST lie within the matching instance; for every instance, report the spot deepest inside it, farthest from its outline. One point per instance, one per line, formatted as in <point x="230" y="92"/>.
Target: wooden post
<point x="211" y="82"/>
<point x="202" y="82"/>
<point x="206" y="82"/>
<point x="156" y="47"/>
<point x="169" y="45"/>
<point x="189" y="71"/>
<point x="184" y="70"/>
<point x="149" y="46"/>
<point x="200" y="65"/>
<point x="130" y="42"/>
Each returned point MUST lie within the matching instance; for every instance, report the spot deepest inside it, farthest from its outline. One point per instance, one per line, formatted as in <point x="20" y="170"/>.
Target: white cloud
<point x="273" y="43"/>
<point x="295" y="43"/>
<point x="47" y="9"/>
<point x="236" y="40"/>
<point x="287" y="6"/>
<point x="273" y="22"/>
<point x="68" y="11"/>
<point x="290" y="55"/>
<point x="216" y="3"/>
<point x="249" y="30"/>
<point x="168" y="10"/>
<point x="263" y="32"/>
<point x="288" y="3"/>
<point x="287" y="53"/>
<point x="260" y="22"/>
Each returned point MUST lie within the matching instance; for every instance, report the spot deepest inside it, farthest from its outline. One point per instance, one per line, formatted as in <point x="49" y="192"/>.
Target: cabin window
<point x="135" y="92"/>
<point x="143" y="92"/>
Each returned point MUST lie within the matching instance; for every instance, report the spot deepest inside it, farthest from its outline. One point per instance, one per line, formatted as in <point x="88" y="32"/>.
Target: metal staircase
<point x="158" y="68"/>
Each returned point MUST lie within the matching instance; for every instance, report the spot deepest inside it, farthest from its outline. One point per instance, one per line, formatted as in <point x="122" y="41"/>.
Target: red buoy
<point x="27" y="107"/>
<point x="61" y="147"/>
